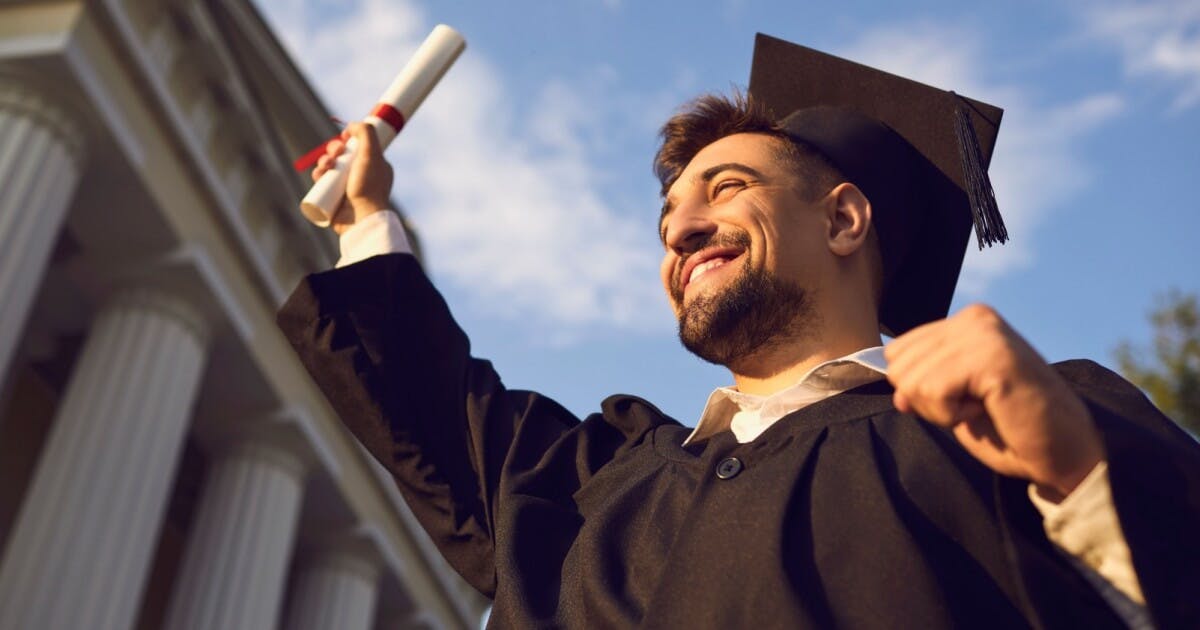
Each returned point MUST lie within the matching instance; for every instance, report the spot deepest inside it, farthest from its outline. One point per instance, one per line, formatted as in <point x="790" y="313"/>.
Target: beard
<point x="756" y="312"/>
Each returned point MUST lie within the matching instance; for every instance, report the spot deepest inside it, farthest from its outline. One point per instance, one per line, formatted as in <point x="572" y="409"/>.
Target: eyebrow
<point x="703" y="178"/>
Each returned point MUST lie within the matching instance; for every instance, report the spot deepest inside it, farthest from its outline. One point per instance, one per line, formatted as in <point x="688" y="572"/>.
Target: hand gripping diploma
<point x="401" y="100"/>
<point x="368" y="175"/>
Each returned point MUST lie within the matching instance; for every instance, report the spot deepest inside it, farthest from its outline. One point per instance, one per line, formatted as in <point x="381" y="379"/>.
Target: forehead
<point x="758" y="151"/>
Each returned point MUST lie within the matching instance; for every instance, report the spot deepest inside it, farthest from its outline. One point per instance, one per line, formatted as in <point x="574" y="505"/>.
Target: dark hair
<point x="711" y="117"/>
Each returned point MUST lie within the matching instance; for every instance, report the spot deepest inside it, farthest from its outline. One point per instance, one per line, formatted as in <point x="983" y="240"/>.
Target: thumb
<point x="366" y="151"/>
<point x="365" y="137"/>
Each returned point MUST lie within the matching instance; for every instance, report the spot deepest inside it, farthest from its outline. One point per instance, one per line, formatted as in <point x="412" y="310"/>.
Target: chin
<point x="754" y="312"/>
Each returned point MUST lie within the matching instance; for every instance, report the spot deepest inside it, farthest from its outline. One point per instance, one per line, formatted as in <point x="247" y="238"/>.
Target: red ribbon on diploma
<point x="382" y="111"/>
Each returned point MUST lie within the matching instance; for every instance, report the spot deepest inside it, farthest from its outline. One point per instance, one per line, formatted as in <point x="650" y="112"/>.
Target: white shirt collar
<point x="748" y="415"/>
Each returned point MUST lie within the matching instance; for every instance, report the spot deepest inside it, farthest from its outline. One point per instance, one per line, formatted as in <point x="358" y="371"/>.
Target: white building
<point x="164" y="459"/>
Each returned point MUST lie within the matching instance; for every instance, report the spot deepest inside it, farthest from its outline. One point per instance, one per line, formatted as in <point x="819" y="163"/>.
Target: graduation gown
<point x="846" y="513"/>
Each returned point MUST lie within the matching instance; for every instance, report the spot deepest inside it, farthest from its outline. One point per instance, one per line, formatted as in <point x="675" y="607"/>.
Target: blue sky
<point x="527" y="171"/>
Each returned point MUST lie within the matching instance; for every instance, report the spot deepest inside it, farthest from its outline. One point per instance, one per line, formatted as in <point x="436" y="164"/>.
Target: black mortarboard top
<point x="919" y="153"/>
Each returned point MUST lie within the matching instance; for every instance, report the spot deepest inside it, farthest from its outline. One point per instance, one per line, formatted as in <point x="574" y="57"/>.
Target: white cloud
<point x="1159" y="39"/>
<point x="1034" y="169"/>
<point x="510" y="208"/>
<point x="513" y="207"/>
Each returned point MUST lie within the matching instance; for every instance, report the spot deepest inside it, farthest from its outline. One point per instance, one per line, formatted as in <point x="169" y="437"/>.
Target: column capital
<point x="337" y="584"/>
<point x="30" y="97"/>
<point x="350" y="551"/>
<point x="187" y="277"/>
<point x="264" y="448"/>
<point x="288" y="431"/>
<point x="164" y="302"/>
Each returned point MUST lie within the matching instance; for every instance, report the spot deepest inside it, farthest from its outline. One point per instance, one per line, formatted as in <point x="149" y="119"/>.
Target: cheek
<point x="794" y="247"/>
<point x="666" y="271"/>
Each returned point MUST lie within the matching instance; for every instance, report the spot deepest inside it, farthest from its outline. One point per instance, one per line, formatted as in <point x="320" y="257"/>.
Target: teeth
<point x="705" y="266"/>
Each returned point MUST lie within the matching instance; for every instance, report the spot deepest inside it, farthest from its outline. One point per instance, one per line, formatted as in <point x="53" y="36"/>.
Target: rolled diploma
<point x="427" y="66"/>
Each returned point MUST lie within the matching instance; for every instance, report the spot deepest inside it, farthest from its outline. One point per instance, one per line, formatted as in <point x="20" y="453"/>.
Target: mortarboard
<point x="918" y="153"/>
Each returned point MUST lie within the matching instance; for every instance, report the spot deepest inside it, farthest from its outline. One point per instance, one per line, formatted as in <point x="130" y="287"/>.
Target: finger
<point x="950" y="410"/>
<point x="369" y="164"/>
<point x="927" y="354"/>
<point x="934" y="385"/>
<point x="967" y="409"/>
<point x="913" y="338"/>
<point x="324" y="163"/>
<point x="917" y="342"/>
<point x="367" y="139"/>
<point x="334" y="148"/>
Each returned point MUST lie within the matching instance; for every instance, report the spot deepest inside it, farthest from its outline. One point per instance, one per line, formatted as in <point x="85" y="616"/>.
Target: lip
<point x="703" y="256"/>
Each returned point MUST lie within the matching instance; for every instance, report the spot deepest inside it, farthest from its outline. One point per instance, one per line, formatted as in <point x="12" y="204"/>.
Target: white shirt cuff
<point x="375" y="234"/>
<point x="1085" y="525"/>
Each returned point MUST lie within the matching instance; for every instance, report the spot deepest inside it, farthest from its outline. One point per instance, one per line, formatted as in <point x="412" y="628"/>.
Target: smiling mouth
<point x="704" y="267"/>
<point x="704" y="262"/>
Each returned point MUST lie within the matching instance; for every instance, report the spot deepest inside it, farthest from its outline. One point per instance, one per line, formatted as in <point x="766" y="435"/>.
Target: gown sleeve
<point x="1154" y="473"/>
<point x="381" y="344"/>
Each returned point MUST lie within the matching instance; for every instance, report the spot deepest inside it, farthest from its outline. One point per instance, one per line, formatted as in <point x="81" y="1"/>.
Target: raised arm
<point x="382" y="345"/>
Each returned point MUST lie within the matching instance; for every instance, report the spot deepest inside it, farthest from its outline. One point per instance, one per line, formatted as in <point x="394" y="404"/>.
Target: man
<point x="963" y="482"/>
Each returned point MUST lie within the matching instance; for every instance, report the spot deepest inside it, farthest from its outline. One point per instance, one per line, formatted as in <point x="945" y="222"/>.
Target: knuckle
<point x="909" y="390"/>
<point x="984" y="315"/>
<point x="978" y="311"/>
<point x="929" y="390"/>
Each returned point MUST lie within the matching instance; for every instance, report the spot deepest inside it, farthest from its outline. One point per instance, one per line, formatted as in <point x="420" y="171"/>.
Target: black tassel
<point x="989" y="225"/>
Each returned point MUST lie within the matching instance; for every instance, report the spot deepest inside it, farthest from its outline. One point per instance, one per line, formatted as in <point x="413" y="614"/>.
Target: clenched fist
<point x="975" y="375"/>
<point x="369" y="181"/>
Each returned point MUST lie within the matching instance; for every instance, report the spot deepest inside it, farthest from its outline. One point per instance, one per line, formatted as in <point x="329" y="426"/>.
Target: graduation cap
<point x="918" y="153"/>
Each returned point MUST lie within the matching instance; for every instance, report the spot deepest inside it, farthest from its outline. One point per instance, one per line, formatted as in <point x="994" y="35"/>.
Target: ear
<point x="849" y="216"/>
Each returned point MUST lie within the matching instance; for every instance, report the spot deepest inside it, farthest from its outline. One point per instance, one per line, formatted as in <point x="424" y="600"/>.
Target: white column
<point x="335" y="589"/>
<point x="235" y="566"/>
<point x="40" y="157"/>
<point x="83" y="541"/>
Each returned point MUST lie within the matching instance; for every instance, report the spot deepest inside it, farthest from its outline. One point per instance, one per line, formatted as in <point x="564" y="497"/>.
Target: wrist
<point x="1083" y="451"/>
<point x="352" y="212"/>
<point x="363" y="207"/>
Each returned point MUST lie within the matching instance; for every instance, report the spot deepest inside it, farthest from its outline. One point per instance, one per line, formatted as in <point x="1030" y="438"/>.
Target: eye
<point x="726" y="186"/>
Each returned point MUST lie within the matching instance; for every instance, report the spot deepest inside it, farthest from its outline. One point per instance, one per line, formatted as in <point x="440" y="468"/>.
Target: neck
<point x="790" y="365"/>
<point x="781" y="365"/>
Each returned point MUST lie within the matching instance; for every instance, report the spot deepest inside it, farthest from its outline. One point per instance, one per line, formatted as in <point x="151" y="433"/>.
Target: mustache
<point x="737" y="238"/>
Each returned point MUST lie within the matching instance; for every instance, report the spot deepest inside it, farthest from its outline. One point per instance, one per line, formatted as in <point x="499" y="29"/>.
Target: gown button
<point x="729" y="468"/>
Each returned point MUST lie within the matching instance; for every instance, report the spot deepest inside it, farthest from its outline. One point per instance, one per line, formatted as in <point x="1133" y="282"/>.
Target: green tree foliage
<point x="1170" y="372"/>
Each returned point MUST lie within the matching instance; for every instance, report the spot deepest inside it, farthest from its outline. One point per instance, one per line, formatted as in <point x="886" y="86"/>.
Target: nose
<point x="688" y="227"/>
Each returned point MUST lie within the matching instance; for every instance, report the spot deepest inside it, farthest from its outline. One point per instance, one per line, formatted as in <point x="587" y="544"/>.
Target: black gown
<point x="846" y="513"/>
